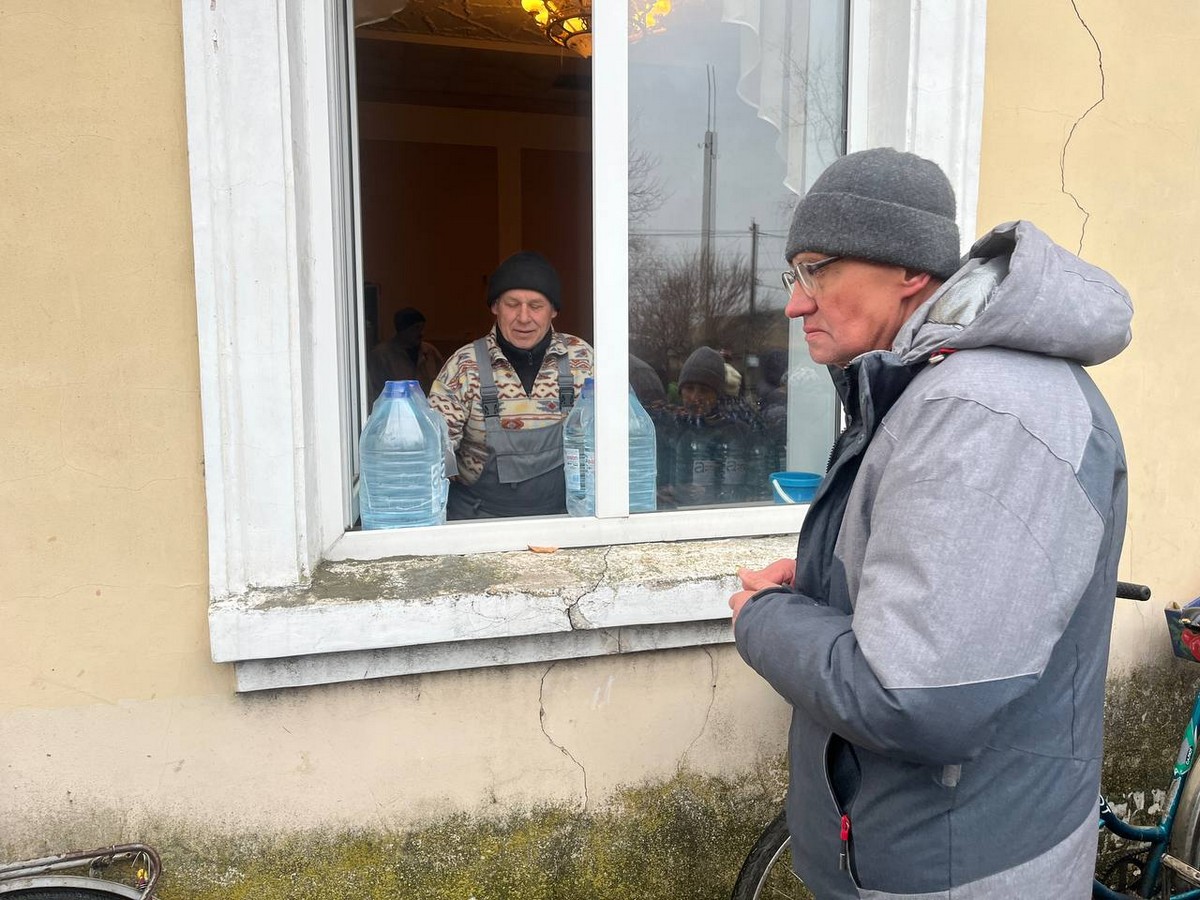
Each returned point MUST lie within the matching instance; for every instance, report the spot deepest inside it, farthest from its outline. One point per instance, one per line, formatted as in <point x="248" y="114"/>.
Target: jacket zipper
<point x="844" y="819"/>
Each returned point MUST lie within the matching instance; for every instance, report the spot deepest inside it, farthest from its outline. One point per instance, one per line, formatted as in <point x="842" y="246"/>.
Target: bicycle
<point x="1164" y="867"/>
<point x="42" y="879"/>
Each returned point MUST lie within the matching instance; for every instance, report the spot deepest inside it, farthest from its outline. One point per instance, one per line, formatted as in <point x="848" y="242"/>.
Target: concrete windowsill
<point x="369" y="619"/>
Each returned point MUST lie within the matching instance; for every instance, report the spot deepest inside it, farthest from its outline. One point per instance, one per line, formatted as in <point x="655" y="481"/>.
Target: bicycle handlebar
<point x="1128" y="590"/>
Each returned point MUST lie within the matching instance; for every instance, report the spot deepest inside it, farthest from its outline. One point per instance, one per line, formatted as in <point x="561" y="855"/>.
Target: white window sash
<point x="610" y="215"/>
<point x="267" y="155"/>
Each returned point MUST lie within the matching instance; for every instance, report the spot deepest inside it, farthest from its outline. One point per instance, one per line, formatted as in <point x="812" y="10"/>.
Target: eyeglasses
<point x="802" y="274"/>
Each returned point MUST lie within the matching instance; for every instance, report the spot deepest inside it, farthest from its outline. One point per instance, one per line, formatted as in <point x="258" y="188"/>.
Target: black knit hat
<point x="410" y="315"/>
<point x="526" y="270"/>
<point x="881" y="205"/>
<point x="705" y="367"/>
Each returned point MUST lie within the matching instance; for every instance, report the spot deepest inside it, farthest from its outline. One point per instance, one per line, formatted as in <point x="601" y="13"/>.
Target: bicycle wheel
<point x="1184" y="843"/>
<point x="65" y="887"/>
<point x="61" y="893"/>
<point x="767" y="872"/>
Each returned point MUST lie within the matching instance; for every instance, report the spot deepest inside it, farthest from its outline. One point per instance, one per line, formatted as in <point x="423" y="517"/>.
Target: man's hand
<point x="737" y="601"/>
<point x="778" y="574"/>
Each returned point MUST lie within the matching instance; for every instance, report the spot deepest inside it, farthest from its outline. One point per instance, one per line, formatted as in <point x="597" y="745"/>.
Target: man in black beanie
<point x="505" y="397"/>
<point x="942" y="634"/>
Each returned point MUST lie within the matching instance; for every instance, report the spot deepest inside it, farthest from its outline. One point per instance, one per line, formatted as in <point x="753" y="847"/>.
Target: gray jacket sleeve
<point x="976" y="544"/>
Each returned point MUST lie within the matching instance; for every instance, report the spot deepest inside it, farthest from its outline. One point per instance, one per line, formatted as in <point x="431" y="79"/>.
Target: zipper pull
<point x="844" y="854"/>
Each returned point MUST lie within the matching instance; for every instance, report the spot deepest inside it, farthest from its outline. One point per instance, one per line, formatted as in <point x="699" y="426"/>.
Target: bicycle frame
<point x="1157" y="836"/>
<point x="41" y="873"/>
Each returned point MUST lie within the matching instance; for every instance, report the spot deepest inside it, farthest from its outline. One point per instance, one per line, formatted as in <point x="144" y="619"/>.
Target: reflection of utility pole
<point x="708" y="213"/>
<point x="751" y="361"/>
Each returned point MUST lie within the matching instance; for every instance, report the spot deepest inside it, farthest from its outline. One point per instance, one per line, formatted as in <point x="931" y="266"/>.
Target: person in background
<point x="772" y="389"/>
<point x="406" y="357"/>
<point x="942" y="634"/>
<point x="711" y="445"/>
<point x="505" y="397"/>
<point x="646" y="384"/>
<point x="733" y="378"/>
<point x="702" y="381"/>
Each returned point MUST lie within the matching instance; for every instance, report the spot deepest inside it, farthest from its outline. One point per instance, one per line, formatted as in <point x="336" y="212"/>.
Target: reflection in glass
<point x="734" y="110"/>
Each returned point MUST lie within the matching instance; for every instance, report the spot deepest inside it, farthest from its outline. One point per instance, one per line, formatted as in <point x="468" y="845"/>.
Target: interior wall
<point x="1092" y="130"/>
<point x="556" y="218"/>
<point x="429" y="213"/>
<point x="447" y="193"/>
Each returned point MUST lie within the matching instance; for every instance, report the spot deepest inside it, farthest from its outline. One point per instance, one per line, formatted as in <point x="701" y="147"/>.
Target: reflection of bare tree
<point x="824" y="85"/>
<point x="646" y="190"/>
<point x="668" y="315"/>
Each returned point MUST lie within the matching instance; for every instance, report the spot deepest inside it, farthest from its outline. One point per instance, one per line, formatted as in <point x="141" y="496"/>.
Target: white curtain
<point x="792" y="71"/>
<point x="368" y="12"/>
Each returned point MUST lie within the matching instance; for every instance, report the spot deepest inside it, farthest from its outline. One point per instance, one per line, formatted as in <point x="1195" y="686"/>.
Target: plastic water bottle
<point x="697" y="467"/>
<point x="643" y="458"/>
<point x="666" y="432"/>
<point x="449" y="462"/>
<point x="402" y="471"/>
<point x="579" y="455"/>
<point x="729" y="447"/>
<point x="760" y="457"/>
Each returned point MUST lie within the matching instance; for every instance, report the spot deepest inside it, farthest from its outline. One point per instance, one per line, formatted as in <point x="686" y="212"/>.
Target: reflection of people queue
<point x="505" y="397"/>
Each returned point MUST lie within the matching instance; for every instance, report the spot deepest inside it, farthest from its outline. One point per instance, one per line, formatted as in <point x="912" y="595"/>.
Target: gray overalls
<point x="523" y="475"/>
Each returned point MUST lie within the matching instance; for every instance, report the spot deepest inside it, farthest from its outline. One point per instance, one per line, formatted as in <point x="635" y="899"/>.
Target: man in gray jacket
<point x="942" y="634"/>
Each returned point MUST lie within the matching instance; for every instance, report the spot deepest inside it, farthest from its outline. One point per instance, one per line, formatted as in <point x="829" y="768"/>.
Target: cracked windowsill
<point x="368" y="619"/>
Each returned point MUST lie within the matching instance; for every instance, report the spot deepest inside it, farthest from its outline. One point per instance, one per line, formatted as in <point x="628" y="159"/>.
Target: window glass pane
<point x="474" y="144"/>
<point x="735" y="107"/>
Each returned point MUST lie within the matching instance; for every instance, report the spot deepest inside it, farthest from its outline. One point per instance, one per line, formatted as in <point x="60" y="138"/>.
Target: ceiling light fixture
<point x="568" y="23"/>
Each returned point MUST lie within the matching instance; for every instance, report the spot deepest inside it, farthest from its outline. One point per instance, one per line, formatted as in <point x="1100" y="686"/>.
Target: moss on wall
<point x="686" y="837"/>
<point x="1145" y="714"/>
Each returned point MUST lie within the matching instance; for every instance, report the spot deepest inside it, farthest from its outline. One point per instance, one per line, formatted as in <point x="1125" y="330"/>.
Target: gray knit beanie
<point x="705" y="367"/>
<point x="530" y="271"/>
<point x="880" y="205"/>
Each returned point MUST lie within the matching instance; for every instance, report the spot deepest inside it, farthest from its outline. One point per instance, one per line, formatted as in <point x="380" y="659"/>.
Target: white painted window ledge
<point x="361" y="619"/>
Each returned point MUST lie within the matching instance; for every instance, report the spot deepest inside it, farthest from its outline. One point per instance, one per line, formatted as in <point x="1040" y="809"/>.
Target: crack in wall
<point x="712" y="701"/>
<point x="580" y="622"/>
<point x="1062" y="162"/>
<point x="542" y="723"/>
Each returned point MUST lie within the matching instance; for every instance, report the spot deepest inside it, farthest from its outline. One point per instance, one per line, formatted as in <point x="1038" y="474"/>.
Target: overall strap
<point x="489" y="394"/>
<point x="566" y="384"/>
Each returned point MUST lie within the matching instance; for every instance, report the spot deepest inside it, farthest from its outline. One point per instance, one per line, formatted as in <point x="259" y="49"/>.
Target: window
<point x="478" y="138"/>
<point x="273" y="189"/>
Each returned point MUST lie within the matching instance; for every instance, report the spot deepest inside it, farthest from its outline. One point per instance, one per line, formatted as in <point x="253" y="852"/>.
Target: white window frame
<point x="269" y="167"/>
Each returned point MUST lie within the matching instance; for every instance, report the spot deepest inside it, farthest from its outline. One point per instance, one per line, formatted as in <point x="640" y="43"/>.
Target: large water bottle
<point x="449" y="461"/>
<point x="697" y="466"/>
<point x="729" y="447"/>
<point x="760" y="460"/>
<point x="402" y="473"/>
<point x="643" y="458"/>
<point x="579" y="453"/>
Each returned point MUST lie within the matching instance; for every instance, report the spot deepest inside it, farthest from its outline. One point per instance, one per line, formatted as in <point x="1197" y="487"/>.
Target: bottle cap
<point x="395" y="389"/>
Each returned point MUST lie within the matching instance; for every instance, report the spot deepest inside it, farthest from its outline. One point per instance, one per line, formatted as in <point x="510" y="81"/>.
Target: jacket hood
<point x="1021" y="291"/>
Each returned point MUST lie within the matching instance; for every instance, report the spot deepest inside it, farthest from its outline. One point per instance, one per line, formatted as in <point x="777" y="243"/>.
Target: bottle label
<point x="735" y="472"/>
<point x="571" y="468"/>
<point x="704" y="471"/>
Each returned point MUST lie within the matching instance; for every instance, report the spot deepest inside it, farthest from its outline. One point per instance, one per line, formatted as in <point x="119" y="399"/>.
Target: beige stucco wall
<point x="1127" y="156"/>
<point x="113" y="716"/>
<point x="111" y="711"/>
